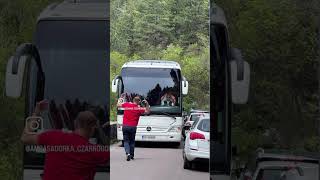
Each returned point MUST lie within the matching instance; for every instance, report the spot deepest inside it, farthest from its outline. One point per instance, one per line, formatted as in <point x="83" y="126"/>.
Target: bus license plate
<point x="148" y="137"/>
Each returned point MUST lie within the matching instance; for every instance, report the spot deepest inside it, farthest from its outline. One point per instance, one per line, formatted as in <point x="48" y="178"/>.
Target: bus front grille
<point x="146" y="129"/>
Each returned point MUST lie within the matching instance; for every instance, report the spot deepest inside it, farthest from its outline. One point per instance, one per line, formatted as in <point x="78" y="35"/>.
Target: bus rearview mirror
<point x="240" y="78"/>
<point x="185" y="87"/>
<point x="14" y="80"/>
<point x="239" y="88"/>
<point x="115" y="83"/>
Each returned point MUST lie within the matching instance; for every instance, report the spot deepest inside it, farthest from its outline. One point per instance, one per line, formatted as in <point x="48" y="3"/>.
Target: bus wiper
<point x="167" y="114"/>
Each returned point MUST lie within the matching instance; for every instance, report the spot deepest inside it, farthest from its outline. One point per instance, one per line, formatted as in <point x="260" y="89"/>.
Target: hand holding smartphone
<point x="34" y="123"/>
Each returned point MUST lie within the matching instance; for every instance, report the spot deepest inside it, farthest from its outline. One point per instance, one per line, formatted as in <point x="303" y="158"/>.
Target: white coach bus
<point x="162" y="85"/>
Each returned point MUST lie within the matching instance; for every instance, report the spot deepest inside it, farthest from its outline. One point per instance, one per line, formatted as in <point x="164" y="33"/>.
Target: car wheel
<point x="186" y="164"/>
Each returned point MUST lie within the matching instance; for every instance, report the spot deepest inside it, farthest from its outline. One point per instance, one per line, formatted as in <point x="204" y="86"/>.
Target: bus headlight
<point x="175" y="129"/>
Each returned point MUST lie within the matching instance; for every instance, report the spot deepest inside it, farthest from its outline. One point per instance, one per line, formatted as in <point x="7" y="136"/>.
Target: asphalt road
<point x="154" y="161"/>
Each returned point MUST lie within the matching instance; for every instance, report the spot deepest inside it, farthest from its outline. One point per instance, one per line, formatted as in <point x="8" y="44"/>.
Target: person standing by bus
<point x="69" y="155"/>
<point x="131" y="115"/>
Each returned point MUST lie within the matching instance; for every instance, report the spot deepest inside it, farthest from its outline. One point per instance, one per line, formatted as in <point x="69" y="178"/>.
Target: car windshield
<point x="204" y="125"/>
<point x="194" y="124"/>
<point x="195" y="117"/>
<point x="159" y="86"/>
<point x="278" y="174"/>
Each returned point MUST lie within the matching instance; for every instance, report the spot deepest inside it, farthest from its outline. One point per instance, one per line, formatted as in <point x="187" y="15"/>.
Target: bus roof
<point x="152" y="64"/>
<point x="77" y="10"/>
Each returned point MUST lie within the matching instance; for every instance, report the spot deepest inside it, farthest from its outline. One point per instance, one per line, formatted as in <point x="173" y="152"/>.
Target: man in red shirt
<point x="70" y="155"/>
<point x="131" y="115"/>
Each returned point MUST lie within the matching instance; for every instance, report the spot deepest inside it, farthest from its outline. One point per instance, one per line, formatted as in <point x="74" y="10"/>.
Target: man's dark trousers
<point x="129" y="134"/>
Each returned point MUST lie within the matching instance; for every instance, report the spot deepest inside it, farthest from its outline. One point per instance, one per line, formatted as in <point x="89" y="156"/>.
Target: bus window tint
<point x="72" y="60"/>
<point x="159" y="86"/>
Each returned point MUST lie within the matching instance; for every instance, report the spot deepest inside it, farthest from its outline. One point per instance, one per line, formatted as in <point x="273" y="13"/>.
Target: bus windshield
<point x="159" y="86"/>
<point x="73" y="57"/>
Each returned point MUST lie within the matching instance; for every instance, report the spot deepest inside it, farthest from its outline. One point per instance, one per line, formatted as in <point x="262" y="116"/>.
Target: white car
<point x="284" y="167"/>
<point x="190" y="120"/>
<point x="197" y="143"/>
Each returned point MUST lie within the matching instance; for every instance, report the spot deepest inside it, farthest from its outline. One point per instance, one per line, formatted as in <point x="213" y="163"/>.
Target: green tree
<point x="17" y="23"/>
<point x="278" y="38"/>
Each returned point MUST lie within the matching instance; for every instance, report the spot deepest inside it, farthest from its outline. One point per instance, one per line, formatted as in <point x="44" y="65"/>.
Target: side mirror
<point x="14" y="80"/>
<point x="115" y="83"/>
<point x="16" y="66"/>
<point x="240" y="78"/>
<point x="185" y="86"/>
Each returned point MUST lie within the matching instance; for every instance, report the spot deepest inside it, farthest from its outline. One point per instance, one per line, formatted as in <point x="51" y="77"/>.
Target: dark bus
<point x="229" y="84"/>
<point x="67" y="64"/>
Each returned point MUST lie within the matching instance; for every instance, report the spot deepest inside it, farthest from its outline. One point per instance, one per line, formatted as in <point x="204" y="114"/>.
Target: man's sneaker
<point x="132" y="157"/>
<point x="128" y="157"/>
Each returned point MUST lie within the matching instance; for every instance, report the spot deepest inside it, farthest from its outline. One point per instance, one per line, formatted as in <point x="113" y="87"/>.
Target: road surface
<point x="153" y="162"/>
